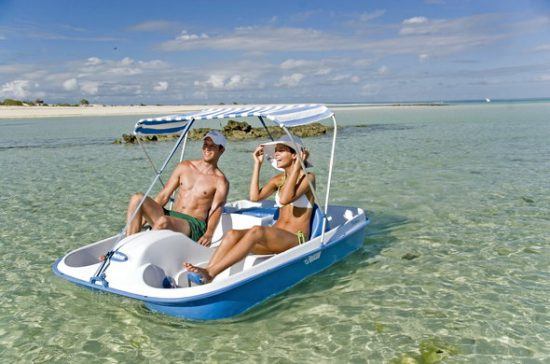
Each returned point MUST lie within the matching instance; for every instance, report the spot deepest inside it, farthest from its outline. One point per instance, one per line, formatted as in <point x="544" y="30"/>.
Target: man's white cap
<point x="216" y="137"/>
<point x="269" y="149"/>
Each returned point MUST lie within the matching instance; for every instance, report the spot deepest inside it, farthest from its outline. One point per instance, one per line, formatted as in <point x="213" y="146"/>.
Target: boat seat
<point x="257" y="211"/>
<point x="316" y="226"/>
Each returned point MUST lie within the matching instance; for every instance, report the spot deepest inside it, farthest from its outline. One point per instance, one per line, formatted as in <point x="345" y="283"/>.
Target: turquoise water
<point x="454" y="267"/>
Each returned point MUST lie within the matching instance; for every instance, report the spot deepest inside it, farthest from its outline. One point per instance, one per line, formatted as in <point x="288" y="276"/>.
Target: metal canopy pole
<point x="100" y="273"/>
<point x="266" y="128"/>
<point x="181" y="158"/>
<point x="150" y="160"/>
<point x="157" y="176"/>
<point x="331" y="164"/>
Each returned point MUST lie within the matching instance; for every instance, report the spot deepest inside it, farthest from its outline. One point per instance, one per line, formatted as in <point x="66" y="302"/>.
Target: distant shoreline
<point x="30" y="112"/>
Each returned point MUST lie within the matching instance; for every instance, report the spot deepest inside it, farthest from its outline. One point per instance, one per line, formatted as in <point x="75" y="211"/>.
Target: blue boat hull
<point x="239" y="299"/>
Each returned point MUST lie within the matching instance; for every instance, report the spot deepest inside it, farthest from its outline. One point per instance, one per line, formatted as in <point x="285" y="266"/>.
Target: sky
<point x="188" y="52"/>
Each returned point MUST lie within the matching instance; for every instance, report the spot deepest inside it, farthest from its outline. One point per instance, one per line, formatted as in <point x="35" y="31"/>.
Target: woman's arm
<point x="294" y="186"/>
<point x="256" y="193"/>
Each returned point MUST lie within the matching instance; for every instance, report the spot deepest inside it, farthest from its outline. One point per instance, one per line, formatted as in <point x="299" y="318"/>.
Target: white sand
<point x="27" y="112"/>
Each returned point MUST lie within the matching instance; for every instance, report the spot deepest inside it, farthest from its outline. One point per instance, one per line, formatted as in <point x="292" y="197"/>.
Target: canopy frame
<point x="188" y="121"/>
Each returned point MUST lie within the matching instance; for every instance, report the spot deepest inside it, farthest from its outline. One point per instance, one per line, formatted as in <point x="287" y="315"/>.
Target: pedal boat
<point x="147" y="266"/>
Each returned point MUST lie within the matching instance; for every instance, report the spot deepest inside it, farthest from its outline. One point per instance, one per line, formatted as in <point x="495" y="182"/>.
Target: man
<point x="202" y="192"/>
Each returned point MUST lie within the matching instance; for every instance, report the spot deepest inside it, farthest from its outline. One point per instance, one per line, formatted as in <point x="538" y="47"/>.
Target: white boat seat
<point x="254" y="259"/>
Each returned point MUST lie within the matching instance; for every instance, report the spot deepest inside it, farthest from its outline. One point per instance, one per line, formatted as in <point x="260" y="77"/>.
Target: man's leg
<point x="150" y="210"/>
<point x="172" y="223"/>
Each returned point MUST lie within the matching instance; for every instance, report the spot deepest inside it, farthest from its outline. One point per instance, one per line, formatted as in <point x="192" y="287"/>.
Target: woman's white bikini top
<point x="301" y="201"/>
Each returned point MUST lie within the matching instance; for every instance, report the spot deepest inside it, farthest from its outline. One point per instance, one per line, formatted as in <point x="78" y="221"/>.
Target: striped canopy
<point x="282" y="115"/>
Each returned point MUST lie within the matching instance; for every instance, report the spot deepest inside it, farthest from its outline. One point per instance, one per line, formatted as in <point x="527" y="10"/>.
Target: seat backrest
<point x="316" y="226"/>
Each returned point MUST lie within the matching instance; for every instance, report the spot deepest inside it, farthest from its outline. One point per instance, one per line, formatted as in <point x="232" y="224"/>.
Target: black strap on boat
<point x="99" y="275"/>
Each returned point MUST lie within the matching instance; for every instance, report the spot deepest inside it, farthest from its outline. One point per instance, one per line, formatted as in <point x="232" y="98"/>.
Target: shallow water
<point x="454" y="267"/>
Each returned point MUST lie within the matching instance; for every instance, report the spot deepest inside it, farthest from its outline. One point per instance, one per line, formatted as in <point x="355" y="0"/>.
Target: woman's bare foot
<point x="205" y="276"/>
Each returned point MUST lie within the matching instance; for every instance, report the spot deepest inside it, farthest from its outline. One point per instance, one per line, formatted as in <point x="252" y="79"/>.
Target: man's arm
<point x="171" y="185"/>
<point x="220" y="197"/>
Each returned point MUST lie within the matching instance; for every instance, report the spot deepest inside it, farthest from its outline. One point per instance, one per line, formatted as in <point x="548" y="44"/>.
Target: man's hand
<point x="205" y="240"/>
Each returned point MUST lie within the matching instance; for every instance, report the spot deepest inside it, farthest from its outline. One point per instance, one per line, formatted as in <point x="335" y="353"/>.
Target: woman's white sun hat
<point x="269" y="149"/>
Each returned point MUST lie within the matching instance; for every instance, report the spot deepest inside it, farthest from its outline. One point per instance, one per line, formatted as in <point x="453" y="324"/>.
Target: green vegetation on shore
<point x="39" y="102"/>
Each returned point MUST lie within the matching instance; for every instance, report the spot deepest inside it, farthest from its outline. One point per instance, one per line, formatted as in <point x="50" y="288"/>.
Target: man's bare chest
<point x="197" y="184"/>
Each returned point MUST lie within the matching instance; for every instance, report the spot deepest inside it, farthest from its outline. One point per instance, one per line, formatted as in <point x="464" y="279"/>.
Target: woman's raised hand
<point x="304" y="155"/>
<point x="258" y="154"/>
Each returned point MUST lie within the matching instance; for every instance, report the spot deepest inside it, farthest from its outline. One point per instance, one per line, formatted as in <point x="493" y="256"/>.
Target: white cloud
<point x="263" y="39"/>
<point x="370" y="90"/>
<point x="16" y="89"/>
<point x="185" y="36"/>
<point x="372" y="15"/>
<point x="542" y="48"/>
<point x="423" y="57"/>
<point x="295" y="63"/>
<point x="93" y="61"/>
<point x="124" y="71"/>
<point x="344" y="79"/>
<point x="89" y="87"/>
<point x="70" y="84"/>
<point x="10" y="68"/>
<point x="323" y="71"/>
<point x="290" y="81"/>
<point x="362" y="63"/>
<point x="126" y="61"/>
<point x="222" y="82"/>
<point x="161" y="86"/>
<point x="154" y="26"/>
<point x="415" y="20"/>
<point x="154" y="64"/>
<point x="383" y="70"/>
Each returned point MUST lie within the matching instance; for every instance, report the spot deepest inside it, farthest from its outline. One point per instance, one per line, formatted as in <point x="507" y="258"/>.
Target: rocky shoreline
<point x="234" y="130"/>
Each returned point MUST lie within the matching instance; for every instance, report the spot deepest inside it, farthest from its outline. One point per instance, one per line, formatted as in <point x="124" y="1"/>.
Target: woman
<point x="294" y="199"/>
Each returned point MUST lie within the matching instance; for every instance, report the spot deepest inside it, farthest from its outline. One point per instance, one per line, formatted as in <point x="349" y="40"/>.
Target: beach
<point x="454" y="265"/>
<point x="30" y="112"/>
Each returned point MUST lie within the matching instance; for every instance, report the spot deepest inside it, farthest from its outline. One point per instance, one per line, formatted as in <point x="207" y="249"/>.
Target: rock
<point x="410" y="256"/>
<point x="128" y="138"/>
<point x="233" y="126"/>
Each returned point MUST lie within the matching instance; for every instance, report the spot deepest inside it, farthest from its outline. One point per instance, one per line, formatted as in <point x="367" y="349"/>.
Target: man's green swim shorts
<point x="198" y="227"/>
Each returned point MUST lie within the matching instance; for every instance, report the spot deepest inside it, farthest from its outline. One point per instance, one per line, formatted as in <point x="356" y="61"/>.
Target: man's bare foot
<point x="205" y="276"/>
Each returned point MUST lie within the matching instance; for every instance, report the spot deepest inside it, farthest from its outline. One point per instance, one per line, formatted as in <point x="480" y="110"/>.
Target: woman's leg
<point x="263" y="239"/>
<point x="228" y="241"/>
